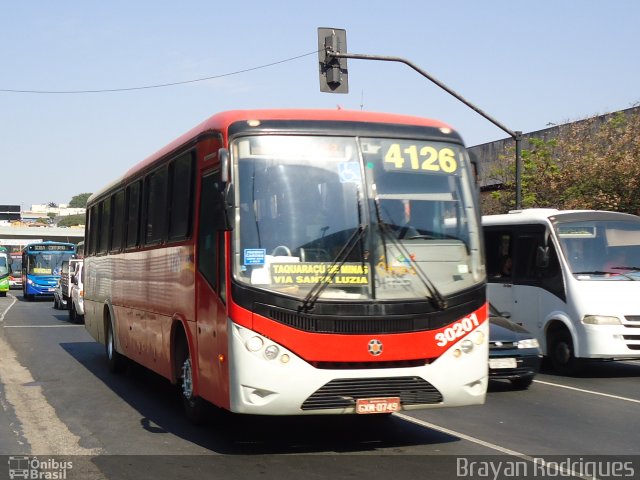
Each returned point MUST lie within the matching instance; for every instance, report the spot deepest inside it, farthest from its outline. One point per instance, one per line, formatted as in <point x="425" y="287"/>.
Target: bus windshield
<point x="4" y="265"/>
<point x="46" y="263"/>
<point x="366" y="218"/>
<point x="602" y="249"/>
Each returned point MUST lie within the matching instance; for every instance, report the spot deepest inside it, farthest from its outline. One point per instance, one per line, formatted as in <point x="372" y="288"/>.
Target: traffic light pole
<point x="516" y="135"/>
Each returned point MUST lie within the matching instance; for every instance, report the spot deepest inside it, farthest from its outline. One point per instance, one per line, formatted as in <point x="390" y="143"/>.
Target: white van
<point x="76" y="297"/>
<point x="572" y="278"/>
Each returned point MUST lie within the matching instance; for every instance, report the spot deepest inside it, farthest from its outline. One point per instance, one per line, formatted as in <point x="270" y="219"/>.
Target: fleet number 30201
<point x="457" y="330"/>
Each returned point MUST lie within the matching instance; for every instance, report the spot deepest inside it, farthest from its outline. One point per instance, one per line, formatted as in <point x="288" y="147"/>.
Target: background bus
<point x="296" y="262"/>
<point x="574" y="282"/>
<point x="41" y="267"/>
<point x="5" y="269"/>
<point x="15" y="276"/>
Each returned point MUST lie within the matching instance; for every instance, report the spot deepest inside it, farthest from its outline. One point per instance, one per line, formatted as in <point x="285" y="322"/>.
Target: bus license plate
<point x="378" y="405"/>
<point x="502" y="363"/>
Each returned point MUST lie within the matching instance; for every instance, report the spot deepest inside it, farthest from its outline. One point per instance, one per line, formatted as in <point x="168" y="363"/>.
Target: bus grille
<point x="343" y="393"/>
<point x="349" y="325"/>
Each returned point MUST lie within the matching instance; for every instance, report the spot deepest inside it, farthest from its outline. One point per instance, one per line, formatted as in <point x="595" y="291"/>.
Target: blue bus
<point x="41" y="267"/>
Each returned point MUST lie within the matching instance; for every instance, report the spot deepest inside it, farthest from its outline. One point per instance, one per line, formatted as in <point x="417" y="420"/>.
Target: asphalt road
<point x="58" y="401"/>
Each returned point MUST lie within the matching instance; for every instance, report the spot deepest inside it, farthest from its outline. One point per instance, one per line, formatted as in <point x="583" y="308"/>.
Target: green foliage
<point x="79" y="201"/>
<point x="591" y="164"/>
<point x="71" y="221"/>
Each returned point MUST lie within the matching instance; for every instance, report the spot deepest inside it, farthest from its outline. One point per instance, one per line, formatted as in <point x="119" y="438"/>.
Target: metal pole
<point x="517" y="136"/>
<point x="518" y="139"/>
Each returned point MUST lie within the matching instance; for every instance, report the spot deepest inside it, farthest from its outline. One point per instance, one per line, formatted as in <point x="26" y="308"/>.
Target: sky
<point x="528" y="64"/>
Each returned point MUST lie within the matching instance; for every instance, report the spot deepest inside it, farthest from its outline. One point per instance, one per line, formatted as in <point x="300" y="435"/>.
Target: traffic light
<point x="333" y="70"/>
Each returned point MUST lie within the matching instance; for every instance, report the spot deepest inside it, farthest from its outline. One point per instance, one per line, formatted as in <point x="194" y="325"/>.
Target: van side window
<point x="499" y="253"/>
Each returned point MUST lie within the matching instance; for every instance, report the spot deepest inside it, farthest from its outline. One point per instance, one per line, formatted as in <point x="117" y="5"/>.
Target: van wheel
<point x="193" y="405"/>
<point x="561" y="354"/>
<point x="115" y="361"/>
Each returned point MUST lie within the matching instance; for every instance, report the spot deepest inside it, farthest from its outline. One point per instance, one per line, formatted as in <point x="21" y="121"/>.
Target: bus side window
<point x="208" y="237"/>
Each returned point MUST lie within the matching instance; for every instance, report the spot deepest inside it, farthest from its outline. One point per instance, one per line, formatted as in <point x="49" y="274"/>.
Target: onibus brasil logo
<point x="33" y="468"/>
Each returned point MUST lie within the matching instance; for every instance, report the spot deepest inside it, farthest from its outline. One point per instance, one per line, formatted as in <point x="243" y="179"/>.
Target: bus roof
<point x="221" y="121"/>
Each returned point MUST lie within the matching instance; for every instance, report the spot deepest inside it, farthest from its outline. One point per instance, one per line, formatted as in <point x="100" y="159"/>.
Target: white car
<point x="76" y="299"/>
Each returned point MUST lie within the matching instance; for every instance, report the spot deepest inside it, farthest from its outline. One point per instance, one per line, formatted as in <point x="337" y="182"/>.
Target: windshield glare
<point x="393" y="212"/>
<point x="601" y="250"/>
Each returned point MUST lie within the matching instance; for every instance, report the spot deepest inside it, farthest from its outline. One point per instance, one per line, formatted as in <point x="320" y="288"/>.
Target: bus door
<point x="211" y="294"/>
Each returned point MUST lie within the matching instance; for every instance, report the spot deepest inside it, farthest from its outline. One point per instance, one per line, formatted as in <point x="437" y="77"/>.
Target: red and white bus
<point x="286" y="262"/>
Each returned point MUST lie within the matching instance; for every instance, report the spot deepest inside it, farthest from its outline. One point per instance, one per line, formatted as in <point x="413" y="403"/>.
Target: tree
<point x="590" y="164"/>
<point x="79" y="201"/>
<point x="71" y="220"/>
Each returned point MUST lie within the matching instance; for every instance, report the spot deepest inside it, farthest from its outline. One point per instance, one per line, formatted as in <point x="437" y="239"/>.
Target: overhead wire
<point x="159" y="85"/>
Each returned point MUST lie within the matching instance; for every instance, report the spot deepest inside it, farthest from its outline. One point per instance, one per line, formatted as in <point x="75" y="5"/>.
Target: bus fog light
<point x="600" y="320"/>
<point x="457" y="352"/>
<point x="254" y="344"/>
<point x="466" y="346"/>
<point x="271" y="352"/>
<point x="479" y="338"/>
<point x="285" y="358"/>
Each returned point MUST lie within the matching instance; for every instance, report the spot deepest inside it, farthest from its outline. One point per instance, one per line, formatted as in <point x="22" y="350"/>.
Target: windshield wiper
<point x="342" y="256"/>
<point x="436" y="297"/>
<point x="624" y="267"/>
<point x="600" y="272"/>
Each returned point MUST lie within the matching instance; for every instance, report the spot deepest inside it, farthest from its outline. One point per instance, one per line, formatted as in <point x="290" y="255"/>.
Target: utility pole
<point x="332" y="55"/>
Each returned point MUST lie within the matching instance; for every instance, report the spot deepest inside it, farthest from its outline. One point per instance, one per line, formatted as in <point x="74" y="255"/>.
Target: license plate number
<point x="378" y="405"/>
<point x="502" y="363"/>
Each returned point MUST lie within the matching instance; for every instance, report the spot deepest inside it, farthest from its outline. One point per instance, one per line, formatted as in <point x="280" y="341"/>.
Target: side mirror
<point x="223" y="155"/>
<point x="542" y="257"/>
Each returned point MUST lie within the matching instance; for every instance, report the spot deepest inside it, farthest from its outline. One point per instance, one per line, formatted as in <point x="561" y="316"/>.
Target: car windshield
<point x="365" y="218"/>
<point x="43" y="264"/>
<point x="601" y="250"/>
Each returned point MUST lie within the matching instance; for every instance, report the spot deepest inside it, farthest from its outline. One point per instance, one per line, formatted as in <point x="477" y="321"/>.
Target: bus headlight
<point x="466" y="346"/>
<point x="254" y="344"/>
<point x="271" y="352"/>
<point x="600" y="320"/>
<point x="29" y="281"/>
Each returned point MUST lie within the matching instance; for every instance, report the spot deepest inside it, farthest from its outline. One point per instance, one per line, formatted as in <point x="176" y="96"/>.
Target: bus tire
<point x="193" y="405"/>
<point x="115" y="361"/>
<point x="561" y="353"/>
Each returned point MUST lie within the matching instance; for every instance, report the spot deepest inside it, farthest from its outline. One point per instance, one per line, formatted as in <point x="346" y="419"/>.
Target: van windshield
<point x="602" y="249"/>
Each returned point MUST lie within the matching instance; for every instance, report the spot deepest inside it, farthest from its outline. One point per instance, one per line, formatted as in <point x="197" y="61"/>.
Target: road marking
<point x="493" y="446"/>
<point x="6" y="310"/>
<point x="592" y="392"/>
<point x="41" y="426"/>
<point x="42" y="326"/>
